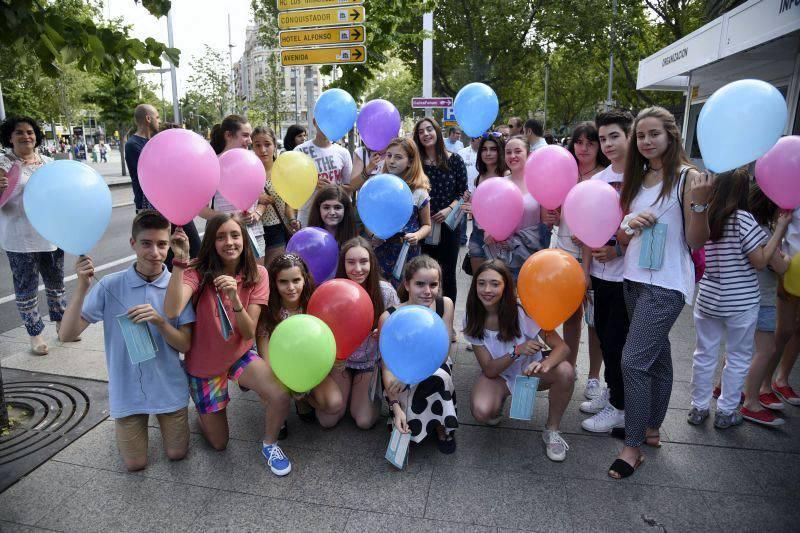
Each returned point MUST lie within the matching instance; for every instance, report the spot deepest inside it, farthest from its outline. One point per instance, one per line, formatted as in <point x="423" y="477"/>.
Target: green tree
<point x="210" y="82"/>
<point x="395" y="82"/>
<point x="64" y="32"/>
<point x="268" y="106"/>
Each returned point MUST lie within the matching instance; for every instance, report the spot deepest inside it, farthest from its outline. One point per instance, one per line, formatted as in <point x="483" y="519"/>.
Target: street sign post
<point x="440" y="101"/>
<point x="285" y="5"/>
<point x="331" y="55"/>
<point x="323" y="36"/>
<point x="315" y="18"/>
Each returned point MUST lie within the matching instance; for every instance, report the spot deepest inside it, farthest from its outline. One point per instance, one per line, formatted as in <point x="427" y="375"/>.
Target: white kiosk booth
<point x="759" y="39"/>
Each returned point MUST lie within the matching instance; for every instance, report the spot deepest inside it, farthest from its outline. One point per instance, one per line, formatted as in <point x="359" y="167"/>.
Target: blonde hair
<point x="414" y="176"/>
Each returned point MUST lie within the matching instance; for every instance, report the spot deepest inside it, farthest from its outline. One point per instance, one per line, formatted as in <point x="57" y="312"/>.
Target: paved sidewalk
<point x="499" y="479"/>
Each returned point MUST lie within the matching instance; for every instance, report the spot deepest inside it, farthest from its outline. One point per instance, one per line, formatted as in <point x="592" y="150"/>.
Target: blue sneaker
<point x="276" y="459"/>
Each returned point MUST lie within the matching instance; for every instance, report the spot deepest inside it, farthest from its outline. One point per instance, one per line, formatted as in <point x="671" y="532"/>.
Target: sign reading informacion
<point x="285" y="5"/>
<point x="332" y="55"/>
<point x="326" y="36"/>
<point x="315" y="18"/>
<point x="436" y="101"/>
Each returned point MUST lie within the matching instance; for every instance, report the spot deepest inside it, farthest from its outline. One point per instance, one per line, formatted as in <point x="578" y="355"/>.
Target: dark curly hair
<point x="10" y="124"/>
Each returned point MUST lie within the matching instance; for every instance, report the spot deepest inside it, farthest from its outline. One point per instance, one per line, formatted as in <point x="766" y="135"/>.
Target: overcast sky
<point x="195" y="23"/>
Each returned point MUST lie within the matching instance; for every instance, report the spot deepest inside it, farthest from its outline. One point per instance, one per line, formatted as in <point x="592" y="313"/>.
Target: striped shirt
<point x="730" y="285"/>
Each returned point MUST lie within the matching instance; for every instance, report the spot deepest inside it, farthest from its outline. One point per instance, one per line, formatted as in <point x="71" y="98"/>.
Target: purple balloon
<point x="378" y="123"/>
<point x="318" y="249"/>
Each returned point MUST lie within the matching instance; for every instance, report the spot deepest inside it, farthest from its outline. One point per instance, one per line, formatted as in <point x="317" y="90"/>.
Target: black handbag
<point x="466" y="264"/>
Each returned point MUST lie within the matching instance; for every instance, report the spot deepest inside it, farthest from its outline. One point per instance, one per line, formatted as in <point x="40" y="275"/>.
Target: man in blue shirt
<point x="131" y="305"/>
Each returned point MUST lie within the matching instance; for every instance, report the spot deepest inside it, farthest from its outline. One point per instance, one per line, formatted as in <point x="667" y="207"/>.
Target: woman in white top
<point x="508" y="343"/>
<point x="29" y="254"/>
<point x="659" y="274"/>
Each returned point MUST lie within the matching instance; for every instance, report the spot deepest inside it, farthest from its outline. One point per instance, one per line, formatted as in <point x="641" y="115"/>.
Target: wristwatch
<point x="514" y="355"/>
<point x="180" y="263"/>
<point x="698" y="208"/>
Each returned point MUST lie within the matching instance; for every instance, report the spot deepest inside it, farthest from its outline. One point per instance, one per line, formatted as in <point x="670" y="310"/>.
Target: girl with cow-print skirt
<point x="430" y="406"/>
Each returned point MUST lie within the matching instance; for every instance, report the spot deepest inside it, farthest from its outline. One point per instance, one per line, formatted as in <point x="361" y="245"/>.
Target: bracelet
<point x="392" y="403"/>
<point x="238" y="310"/>
<point x="180" y="263"/>
<point x="618" y="249"/>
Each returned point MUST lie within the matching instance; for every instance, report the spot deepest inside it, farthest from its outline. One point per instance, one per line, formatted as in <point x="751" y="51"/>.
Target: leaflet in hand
<point x="397" y="272"/>
<point x="397" y="452"/>
<point x="138" y="339"/>
<point x="225" y="322"/>
<point x="253" y="240"/>
<point x="454" y="217"/>
<point x="524" y="397"/>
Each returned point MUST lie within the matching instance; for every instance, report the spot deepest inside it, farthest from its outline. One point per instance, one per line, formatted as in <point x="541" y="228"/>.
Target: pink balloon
<point x="241" y="177"/>
<point x="778" y="172"/>
<point x="13" y="180"/>
<point x="179" y="174"/>
<point x="497" y="207"/>
<point x="592" y="212"/>
<point x="550" y="173"/>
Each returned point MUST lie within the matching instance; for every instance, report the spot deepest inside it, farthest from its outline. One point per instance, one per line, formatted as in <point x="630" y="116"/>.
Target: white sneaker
<point x="555" y="445"/>
<point x="593" y="389"/>
<point x="604" y="421"/>
<point x="596" y="404"/>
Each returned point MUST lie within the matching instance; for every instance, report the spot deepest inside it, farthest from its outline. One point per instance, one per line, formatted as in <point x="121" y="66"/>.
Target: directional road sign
<point x="332" y="35"/>
<point x="314" y="18"/>
<point x="421" y="103"/>
<point x="332" y="55"/>
<point x="284" y="5"/>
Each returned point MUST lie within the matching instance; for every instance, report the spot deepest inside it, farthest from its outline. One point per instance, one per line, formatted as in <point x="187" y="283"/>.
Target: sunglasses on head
<point x="490" y="134"/>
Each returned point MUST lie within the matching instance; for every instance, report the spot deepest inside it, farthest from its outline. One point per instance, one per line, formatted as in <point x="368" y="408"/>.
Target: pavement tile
<point x="35" y="495"/>
<point x="622" y="506"/>
<point x="63" y="360"/>
<point x="776" y="473"/>
<point x="12" y="527"/>
<point x="390" y="523"/>
<point x="734" y="512"/>
<point x="121" y="502"/>
<point x="242" y="512"/>
<point x="516" y="500"/>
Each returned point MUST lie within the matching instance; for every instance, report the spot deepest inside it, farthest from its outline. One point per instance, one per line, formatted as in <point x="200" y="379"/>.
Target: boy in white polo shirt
<point x="606" y="269"/>
<point x="157" y="385"/>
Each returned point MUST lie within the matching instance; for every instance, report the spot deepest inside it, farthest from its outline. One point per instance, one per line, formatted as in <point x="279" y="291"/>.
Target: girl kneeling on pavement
<point x="358" y="263"/>
<point x="508" y="343"/>
<point x="227" y="289"/>
<point x="430" y="406"/>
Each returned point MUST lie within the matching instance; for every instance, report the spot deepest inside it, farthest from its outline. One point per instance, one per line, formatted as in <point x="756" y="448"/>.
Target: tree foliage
<point x="209" y="82"/>
<point x="65" y="32"/>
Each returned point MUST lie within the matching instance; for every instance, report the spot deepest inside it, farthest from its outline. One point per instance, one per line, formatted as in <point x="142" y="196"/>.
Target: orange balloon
<point x="551" y="287"/>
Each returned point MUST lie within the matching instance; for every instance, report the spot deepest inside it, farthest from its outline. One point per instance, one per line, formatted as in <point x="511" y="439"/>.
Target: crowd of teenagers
<point x="182" y="285"/>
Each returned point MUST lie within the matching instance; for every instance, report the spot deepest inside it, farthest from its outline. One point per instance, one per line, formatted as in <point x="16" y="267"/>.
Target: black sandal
<point x="620" y="469"/>
<point x="309" y="416"/>
<point x="448" y="445"/>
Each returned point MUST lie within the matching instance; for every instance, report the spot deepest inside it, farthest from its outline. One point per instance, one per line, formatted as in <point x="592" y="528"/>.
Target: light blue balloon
<point x="414" y="342"/>
<point x="476" y="108"/>
<point x="69" y="204"/>
<point x="335" y="113"/>
<point x="740" y="123"/>
<point x="385" y="204"/>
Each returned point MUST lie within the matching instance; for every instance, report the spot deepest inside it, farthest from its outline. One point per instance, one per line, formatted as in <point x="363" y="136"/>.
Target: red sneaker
<point x="770" y="401"/>
<point x="786" y="394"/>
<point x="765" y="417"/>
<point x="717" y="392"/>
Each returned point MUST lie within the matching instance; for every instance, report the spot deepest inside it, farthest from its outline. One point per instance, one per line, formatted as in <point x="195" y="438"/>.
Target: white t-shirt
<point x="791" y="241"/>
<point x="611" y="270"/>
<point x="541" y="143"/>
<point x="497" y="348"/>
<point x="729" y="285"/>
<point x="333" y="163"/>
<point x="16" y="232"/>
<point x="453" y="147"/>
<point x="470" y="157"/>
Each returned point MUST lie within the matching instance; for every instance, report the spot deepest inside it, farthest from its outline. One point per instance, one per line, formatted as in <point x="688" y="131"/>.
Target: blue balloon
<point x="69" y="204"/>
<point x="740" y="123"/>
<point x="385" y="204"/>
<point x="414" y="342"/>
<point x="476" y="108"/>
<point x="335" y="113"/>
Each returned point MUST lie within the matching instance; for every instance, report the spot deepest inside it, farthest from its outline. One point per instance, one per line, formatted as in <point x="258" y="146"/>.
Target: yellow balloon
<point x="294" y="176"/>
<point x="791" y="280"/>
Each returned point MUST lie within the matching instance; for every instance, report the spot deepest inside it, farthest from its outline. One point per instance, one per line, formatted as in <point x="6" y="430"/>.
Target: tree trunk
<point x="123" y="136"/>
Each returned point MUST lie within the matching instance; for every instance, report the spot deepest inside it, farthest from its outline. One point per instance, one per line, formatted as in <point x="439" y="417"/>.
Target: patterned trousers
<point x="26" y="268"/>
<point x="647" y="357"/>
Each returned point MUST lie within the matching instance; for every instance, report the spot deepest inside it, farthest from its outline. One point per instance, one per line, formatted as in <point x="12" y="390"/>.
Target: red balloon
<point x="347" y="309"/>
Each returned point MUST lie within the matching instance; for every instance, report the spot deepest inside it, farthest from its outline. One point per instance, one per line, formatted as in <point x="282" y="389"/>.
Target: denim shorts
<point x="274" y="236"/>
<point x="475" y="244"/>
<point x="766" y="318"/>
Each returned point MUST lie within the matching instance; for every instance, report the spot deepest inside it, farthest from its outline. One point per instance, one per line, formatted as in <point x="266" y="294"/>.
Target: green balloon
<point x="302" y="350"/>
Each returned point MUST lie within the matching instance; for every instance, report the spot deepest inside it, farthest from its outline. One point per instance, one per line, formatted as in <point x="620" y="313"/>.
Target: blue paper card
<point x="374" y="384"/>
<point x="454" y="217"/>
<point x="138" y="340"/>
<point x="397" y="451"/>
<point x="253" y="240"/>
<point x="397" y="272"/>
<point x="524" y="397"/>
<point x="654" y="240"/>
<point x="225" y="322"/>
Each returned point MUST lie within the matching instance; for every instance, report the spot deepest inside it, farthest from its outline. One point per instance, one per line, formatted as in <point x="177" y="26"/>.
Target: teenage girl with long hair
<point x="332" y="210"/>
<point x="667" y="202"/>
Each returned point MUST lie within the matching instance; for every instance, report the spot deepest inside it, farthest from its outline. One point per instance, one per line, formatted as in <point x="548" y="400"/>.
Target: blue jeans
<point x="26" y="268"/>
